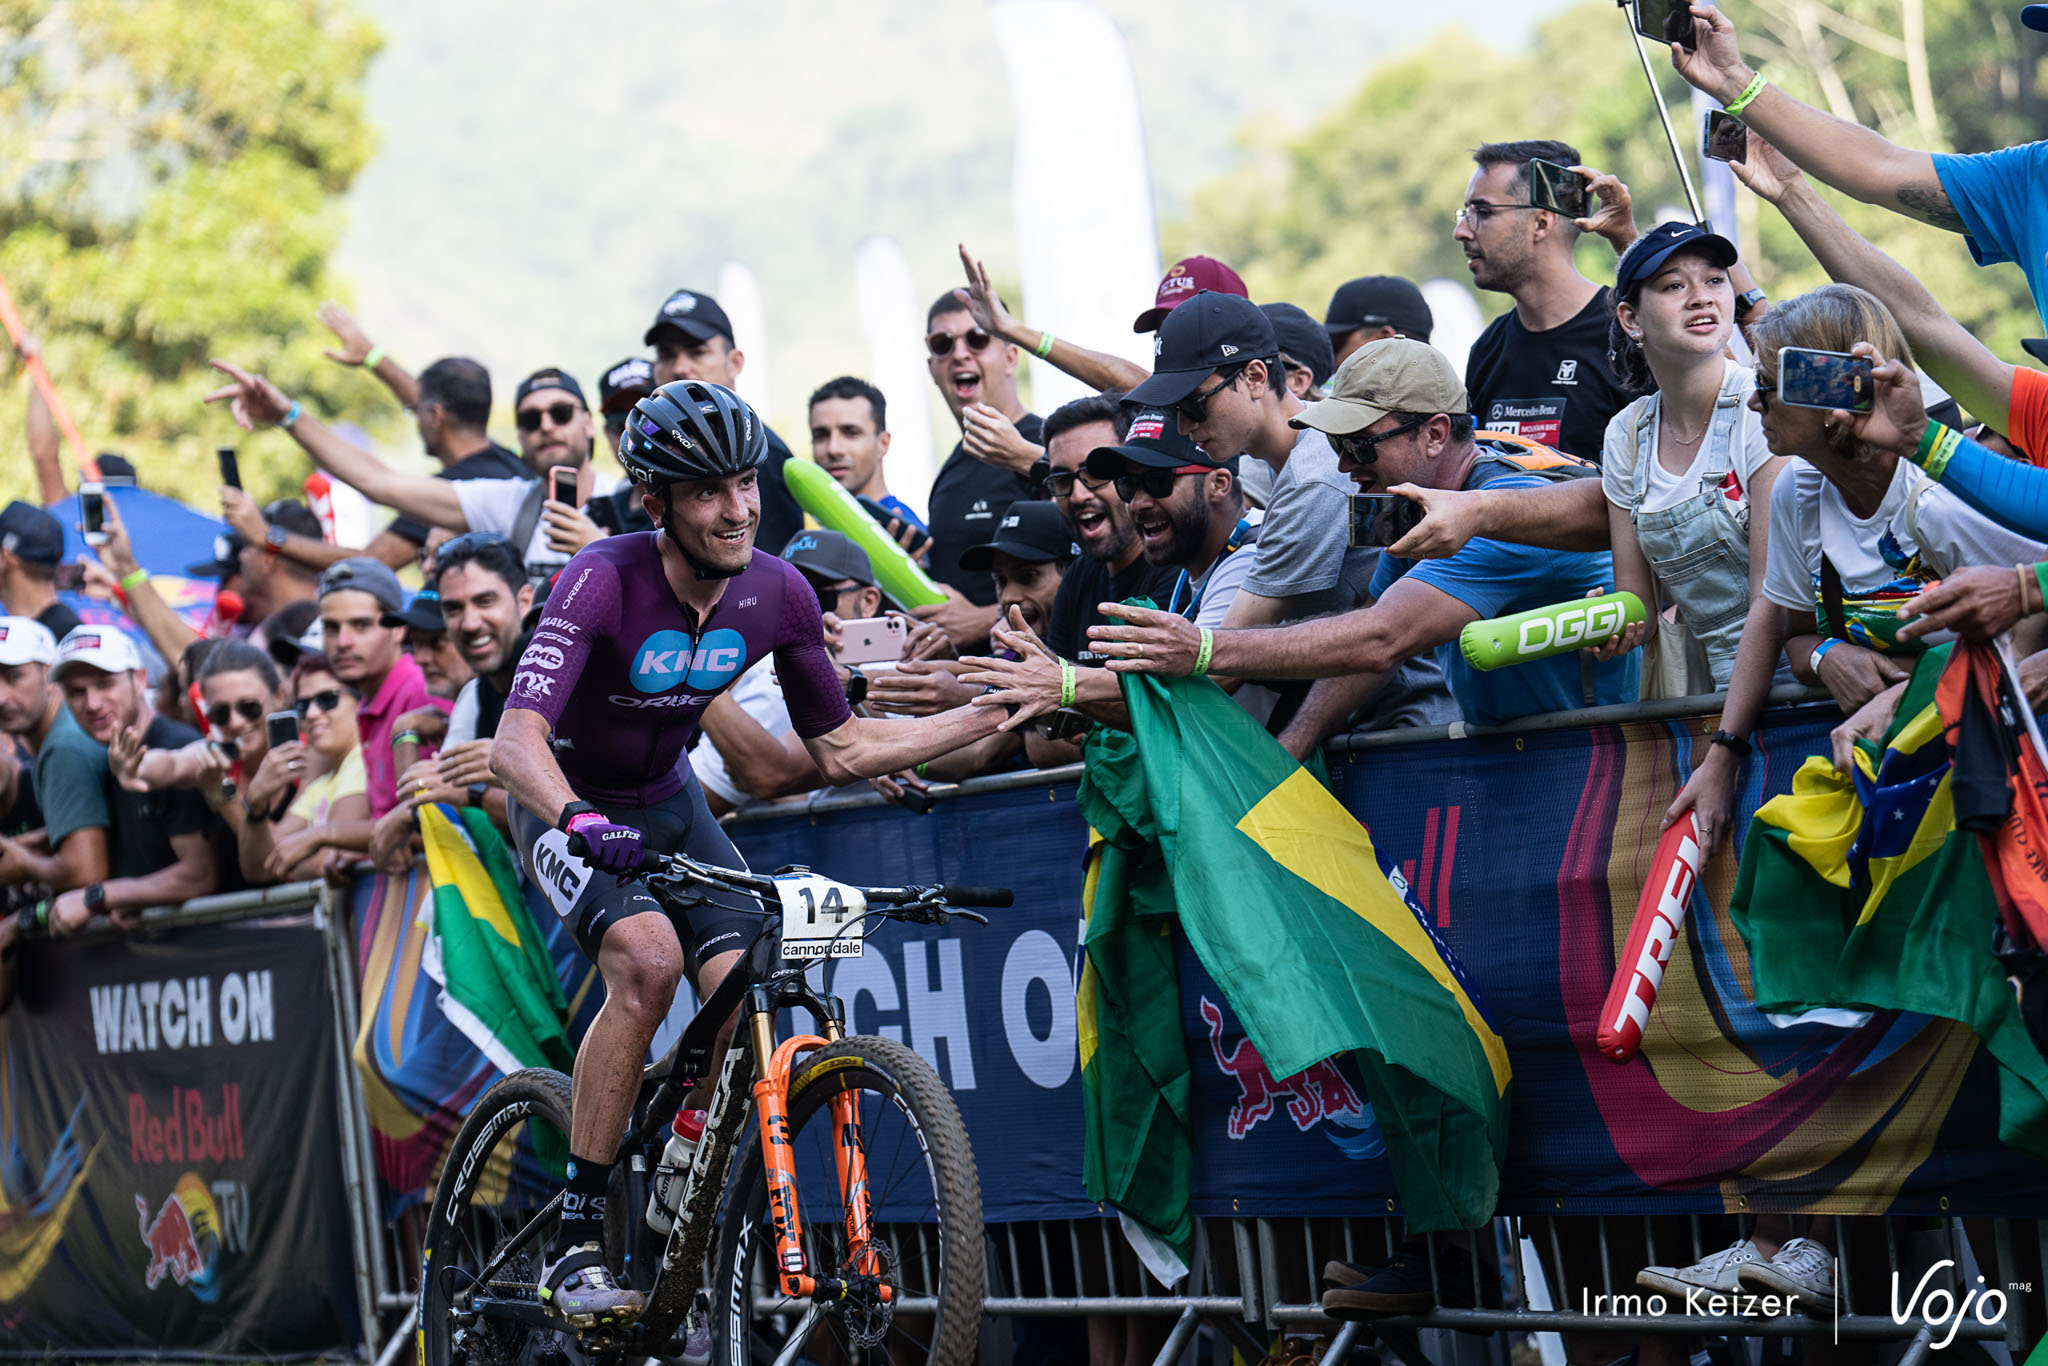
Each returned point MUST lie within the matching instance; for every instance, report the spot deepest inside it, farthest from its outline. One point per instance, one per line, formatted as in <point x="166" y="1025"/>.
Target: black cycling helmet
<point x="689" y="429"/>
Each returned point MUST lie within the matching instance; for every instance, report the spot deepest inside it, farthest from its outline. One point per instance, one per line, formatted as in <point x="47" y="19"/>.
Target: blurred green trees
<point x="169" y="174"/>
<point x="1371" y="189"/>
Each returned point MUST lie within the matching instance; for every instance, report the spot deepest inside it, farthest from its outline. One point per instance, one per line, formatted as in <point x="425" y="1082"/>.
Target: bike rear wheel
<point x="926" y="1202"/>
<point x="505" y="1165"/>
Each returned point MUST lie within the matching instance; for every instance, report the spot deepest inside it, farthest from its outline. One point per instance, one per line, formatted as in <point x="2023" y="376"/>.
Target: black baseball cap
<point x="226" y="561"/>
<point x="1378" y="301"/>
<point x="1302" y="340"/>
<point x="114" y="469"/>
<point x="1647" y="254"/>
<point x="1202" y="336"/>
<point x="831" y="556"/>
<point x="1031" y="530"/>
<point x="549" y="378"/>
<point x="423" y="613"/>
<point x="697" y="316"/>
<point x="2035" y="17"/>
<point x="1154" y="442"/>
<point x="624" y="385"/>
<point x="294" y="517"/>
<point x="31" y="533"/>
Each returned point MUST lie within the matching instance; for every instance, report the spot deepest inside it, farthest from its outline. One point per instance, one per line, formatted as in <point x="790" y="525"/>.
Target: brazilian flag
<point x="1203" y="818"/>
<point x="1857" y="890"/>
<point x="498" y="985"/>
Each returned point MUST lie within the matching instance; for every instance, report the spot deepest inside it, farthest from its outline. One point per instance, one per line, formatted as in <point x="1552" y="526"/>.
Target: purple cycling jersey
<point x="622" y="671"/>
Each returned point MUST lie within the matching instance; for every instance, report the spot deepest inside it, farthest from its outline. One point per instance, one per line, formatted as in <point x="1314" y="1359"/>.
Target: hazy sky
<point x="546" y="178"/>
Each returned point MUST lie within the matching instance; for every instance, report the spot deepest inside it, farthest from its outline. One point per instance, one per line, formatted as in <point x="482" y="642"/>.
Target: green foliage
<point x="168" y="194"/>
<point x="1371" y="189"/>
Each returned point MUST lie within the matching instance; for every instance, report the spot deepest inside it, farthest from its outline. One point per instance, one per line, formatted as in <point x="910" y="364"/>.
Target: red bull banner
<point x="170" y="1168"/>
<point x="1529" y="855"/>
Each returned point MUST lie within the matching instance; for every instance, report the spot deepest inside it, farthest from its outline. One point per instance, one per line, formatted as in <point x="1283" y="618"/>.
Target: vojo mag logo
<point x="668" y="658"/>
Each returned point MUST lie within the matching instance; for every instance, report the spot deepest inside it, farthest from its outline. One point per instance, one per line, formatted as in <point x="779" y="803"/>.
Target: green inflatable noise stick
<point x="1546" y="631"/>
<point x="826" y="499"/>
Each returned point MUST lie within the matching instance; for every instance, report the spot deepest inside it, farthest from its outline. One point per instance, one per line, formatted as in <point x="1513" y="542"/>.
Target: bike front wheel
<point x="925" y="1203"/>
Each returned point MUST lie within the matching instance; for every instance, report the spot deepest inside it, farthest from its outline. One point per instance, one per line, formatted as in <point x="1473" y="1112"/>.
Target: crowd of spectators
<point x="1601" y="435"/>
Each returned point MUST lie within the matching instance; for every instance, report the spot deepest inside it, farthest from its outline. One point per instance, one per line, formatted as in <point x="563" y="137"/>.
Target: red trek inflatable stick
<point x="1674" y="872"/>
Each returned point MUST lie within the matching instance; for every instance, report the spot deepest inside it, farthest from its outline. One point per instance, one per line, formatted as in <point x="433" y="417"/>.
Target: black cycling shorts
<point x="723" y="922"/>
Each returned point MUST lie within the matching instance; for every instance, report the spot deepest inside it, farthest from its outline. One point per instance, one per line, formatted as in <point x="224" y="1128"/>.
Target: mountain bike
<point x="849" y="1229"/>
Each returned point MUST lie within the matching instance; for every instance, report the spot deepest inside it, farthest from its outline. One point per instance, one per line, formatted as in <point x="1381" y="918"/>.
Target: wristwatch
<point x="1731" y="742"/>
<point x="476" y="793"/>
<point x="96" y="897"/>
<point x="1747" y="301"/>
<point x="274" y="539"/>
<point x="856" y="685"/>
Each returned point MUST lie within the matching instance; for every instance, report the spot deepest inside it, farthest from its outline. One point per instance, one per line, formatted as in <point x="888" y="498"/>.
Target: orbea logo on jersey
<point x="668" y="658"/>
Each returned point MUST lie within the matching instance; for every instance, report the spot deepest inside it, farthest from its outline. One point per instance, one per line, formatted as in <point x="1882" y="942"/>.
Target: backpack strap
<point x="1831" y="599"/>
<point x="1921" y="484"/>
<point x="528" y="519"/>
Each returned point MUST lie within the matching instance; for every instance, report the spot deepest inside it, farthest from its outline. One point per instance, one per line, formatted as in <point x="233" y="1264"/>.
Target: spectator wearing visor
<point x="1375" y="306"/>
<point x="693" y="339"/>
<point x="31" y="548"/>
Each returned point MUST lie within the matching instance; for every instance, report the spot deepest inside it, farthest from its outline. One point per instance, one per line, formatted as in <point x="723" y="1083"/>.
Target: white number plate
<point x="820" y="917"/>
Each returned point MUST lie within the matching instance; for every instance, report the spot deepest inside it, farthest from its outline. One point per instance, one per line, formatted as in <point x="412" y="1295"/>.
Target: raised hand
<point x="980" y="299"/>
<point x="252" y="400"/>
<point x="1615" y="218"/>
<point x="1144" y="640"/>
<point x="355" y="345"/>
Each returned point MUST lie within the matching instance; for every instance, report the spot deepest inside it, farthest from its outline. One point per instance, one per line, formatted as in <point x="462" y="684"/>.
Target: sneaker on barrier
<point x="1403" y="1285"/>
<point x="1720" y="1272"/>
<point x="1802" y="1269"/>
<point x="1349" y="1273"/>
<point x="582" y="1289"/>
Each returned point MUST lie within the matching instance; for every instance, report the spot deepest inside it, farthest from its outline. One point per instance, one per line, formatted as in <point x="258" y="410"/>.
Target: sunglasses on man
<point x="1365" y="450"/>
<point x="941" y="343"/>
<point x="1155" y="483"/>
<point x="1195" y="407"/>
<point x="1060" y="483"/>
<point x="560" y="414"/>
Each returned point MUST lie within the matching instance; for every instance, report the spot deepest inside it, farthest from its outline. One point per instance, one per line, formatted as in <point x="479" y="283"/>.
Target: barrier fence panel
<point x="173" y="1122"/>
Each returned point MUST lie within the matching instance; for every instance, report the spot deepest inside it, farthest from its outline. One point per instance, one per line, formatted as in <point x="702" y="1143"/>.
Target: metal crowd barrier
<point x="1253" y="1278"/>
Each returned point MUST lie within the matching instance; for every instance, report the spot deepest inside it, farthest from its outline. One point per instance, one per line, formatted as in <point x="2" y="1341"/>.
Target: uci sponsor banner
<point x="1528" y="854"/>
<point x="170" y="1169"/>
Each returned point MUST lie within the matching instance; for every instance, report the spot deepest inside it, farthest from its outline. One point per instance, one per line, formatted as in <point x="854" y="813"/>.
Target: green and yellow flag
<point x="1201" y="816"/>
<point x="498" y="985"/>
<point x="1857" y="890"/>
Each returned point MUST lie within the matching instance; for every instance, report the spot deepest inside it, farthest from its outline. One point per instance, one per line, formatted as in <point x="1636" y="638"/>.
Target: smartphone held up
<point x="1726" y="137"/>
<point x="1667" y="21"/>
<point x="1828" y="380"/>
<point x="92" y="512"/>
<point x="1558" y="189"/>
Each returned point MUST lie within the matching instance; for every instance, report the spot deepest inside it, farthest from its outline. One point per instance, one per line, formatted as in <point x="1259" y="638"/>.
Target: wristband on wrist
<point x="1937" y="447"/>
<point x="292" y="414"/>
<point x="1066" y="684"/>
<point x="2041" y="581"/>
<point x="134" y="579"/>
<point x="921" y="768"/>
<point x="406" y="737"/>
<point x="1731" y="742"/>
<point x="1749" y="93"/>
<point x="1044" y="347"/>
<point x="571" y="812"/>
<point x="1208" y="649"/>
<point x="1820" y="652"/>
<point x="371" y="361"/>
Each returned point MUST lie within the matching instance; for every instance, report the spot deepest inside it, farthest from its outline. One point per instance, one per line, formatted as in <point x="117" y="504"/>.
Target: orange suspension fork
<point x="853" y="1182"/>
<point x="778" y="1157"/>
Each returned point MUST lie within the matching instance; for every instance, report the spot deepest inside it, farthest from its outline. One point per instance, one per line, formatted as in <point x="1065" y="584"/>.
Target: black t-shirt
<point x="24" y="814"/>
<point x="1552" y="386"/>
<point x="492" y="462"/>
<point x="58" y="618"/>
<point x="142" y="823"/>
<point x="1087" y="585"/>
<point x="967" y="500"/>
<point x="490" y="706"/>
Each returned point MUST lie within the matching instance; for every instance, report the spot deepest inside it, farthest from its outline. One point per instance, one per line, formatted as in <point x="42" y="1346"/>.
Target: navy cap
<point x="1202" y="336"/>
<point x="423" y="613"/>
<point x="226" y="561"/>
<point x="31" y="533"/>
<point x="1648" y="253"/>
<point x="2035" y="17"/>
<point x="1379" y="301"/>
<point x="548" y="378"/>
<point x="1154" y="442"/>
<point x="697" y="316"/>
<point x="1302" y="340"/>
<point x="624" y="385"/>
<point x="1031" y="530"/>
<point x="830" y="555"/>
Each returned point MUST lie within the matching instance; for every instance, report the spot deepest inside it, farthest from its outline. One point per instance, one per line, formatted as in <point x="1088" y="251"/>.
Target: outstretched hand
<point x="1615" y="217"/>
<point x="355" y="345"/>
<point x="252" y="400"/>
<point x="1030" y="682"/>
<point x="1768" y="172"/>
<point x="1449" y="520"/>
<point x="1144" y="640"/>
<point x="1715" y="63"/>
<point x="1897" y="416"/>
<point x="980" y="299"/>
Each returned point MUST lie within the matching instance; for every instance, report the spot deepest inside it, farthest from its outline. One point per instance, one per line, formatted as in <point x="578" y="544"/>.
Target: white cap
<point x="24" y="640"/>
<point x="106" y="648"/>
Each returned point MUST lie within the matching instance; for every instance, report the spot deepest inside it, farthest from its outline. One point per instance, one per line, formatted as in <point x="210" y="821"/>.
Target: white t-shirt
<point x="463" y="720"/>
<point x="759" y="696"/>
<point x="1877" y="556"/>
<point x="1219" y="586"/>
<point x="1667" y="490"/>
<point x="494" y="504"/>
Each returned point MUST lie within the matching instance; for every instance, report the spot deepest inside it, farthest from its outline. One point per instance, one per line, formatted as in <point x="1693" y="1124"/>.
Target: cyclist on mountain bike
<point x="639" y="634"/>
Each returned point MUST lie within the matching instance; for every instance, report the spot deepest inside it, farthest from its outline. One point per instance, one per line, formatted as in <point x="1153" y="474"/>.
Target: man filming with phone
<point x="1540" y="369"/>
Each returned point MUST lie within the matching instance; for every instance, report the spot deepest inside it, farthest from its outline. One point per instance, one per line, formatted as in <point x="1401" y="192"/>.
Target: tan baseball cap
<point x="1392" y="375"/>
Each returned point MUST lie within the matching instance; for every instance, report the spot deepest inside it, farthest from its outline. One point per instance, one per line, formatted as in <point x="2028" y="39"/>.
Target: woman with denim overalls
<point x="1684" y="467"/>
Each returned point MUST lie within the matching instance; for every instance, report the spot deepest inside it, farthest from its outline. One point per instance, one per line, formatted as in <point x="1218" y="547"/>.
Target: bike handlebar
<point x="995" y="897"/>
<point x="682" y="865"/>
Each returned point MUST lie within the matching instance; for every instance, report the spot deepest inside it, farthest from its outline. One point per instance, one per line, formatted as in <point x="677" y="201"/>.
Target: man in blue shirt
<point x="850" y="438"/>
<point x="1398" y="414"/>
<point x="1998" y="200"/>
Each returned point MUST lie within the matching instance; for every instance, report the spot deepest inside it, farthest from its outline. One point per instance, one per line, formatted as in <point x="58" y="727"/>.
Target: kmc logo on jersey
<point x="669" y="658"/>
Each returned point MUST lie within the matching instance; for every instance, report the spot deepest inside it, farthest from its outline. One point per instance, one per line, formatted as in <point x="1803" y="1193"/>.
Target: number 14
<point x="834" y="904"/>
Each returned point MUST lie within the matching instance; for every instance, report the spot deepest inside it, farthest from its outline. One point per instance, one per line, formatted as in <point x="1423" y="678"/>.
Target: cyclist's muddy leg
<point x="642" y="962"/>
<point x="708" y="978"/>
